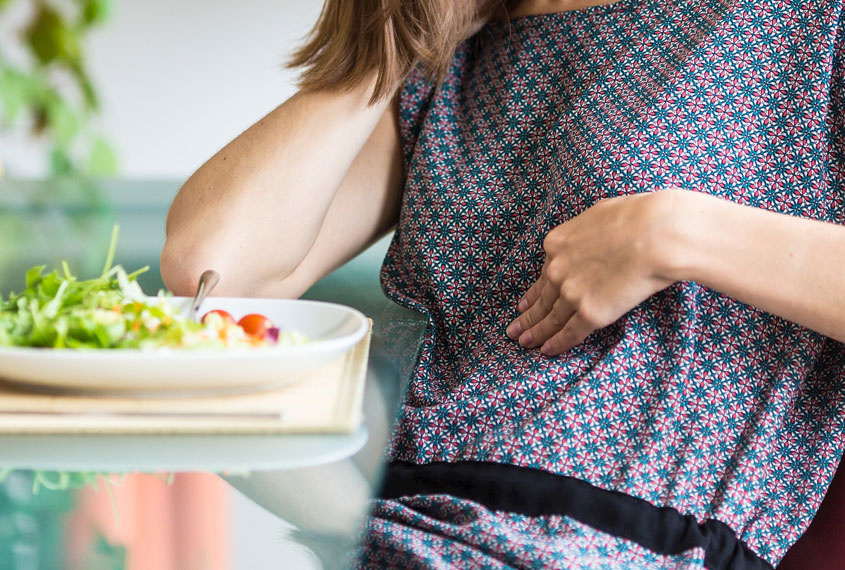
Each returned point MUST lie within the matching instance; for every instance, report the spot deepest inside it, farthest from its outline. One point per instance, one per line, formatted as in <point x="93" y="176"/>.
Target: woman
<point x="623" y="222"/>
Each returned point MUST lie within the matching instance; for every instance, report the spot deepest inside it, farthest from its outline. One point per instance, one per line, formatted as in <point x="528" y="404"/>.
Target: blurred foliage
<point x="33" y="524"/>
<point x="52" y="94"/>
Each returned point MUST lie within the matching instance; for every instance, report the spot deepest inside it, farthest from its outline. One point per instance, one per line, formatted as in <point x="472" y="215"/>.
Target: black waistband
<point x="534" y="492"/>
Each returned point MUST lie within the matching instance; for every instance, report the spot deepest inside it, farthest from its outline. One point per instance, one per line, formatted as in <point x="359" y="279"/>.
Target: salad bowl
<point x="331" y="330"/>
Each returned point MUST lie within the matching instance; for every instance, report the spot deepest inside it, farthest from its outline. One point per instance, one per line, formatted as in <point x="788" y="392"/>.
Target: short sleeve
<point x="414" y="101"/>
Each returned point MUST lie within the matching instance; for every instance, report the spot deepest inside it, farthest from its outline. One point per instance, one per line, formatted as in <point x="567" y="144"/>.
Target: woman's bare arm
<point x="296" y="195"/>
<point x="787" y="265"/>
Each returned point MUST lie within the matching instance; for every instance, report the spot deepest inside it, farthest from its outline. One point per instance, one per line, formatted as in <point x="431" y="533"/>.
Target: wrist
<point x="681" y="231"/>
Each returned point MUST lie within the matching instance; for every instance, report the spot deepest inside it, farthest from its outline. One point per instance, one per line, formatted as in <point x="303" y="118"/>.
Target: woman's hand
<point x="599" y="265"/>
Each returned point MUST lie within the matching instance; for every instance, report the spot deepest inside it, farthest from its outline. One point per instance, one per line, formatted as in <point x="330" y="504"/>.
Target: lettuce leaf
<point x="56" y="310"/>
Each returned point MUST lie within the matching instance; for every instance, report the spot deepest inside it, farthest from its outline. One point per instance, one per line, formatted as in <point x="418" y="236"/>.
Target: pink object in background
<point x="181" y="526"/>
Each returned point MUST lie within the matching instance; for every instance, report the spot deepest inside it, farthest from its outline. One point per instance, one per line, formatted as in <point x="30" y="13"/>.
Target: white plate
<point x="333" y="329"/>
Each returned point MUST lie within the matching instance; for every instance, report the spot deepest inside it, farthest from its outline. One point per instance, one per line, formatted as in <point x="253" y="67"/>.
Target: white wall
<point x="180" y="78"/>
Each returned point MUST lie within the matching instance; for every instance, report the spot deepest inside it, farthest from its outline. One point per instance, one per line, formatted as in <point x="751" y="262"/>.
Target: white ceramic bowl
<point x="333" y="330"/>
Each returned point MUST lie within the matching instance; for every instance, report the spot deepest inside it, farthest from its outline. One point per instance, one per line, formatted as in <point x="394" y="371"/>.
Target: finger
<point x="571" y="335"/>
<point x="551" y="324"/>
<point x="530" y="297"/>
<point x="536" y="313"/>
<point x="516" y="327"/>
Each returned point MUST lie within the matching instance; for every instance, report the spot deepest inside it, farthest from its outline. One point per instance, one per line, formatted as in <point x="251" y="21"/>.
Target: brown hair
<point x="355" y="37"/>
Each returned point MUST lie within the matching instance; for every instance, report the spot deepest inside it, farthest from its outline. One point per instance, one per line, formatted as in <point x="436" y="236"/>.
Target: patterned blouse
<point x="695" y="431"/>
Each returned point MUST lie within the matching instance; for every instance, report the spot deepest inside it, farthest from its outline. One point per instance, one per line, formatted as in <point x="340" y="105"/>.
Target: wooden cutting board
<point x="326" y="400"/>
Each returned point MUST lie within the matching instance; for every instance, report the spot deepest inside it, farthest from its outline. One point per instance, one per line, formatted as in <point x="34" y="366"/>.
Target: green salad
<point x="57" y="310"/>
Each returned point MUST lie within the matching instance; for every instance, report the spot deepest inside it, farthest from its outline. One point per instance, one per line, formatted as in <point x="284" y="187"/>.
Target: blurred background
<point x="174" y="81"/>
<point x="106" y="107"/>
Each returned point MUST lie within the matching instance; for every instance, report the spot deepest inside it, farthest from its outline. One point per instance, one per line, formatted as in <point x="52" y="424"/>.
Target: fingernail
<point x="546" y="349"/>
<point x="514" y="330"/>
<point x="523" y="304"/>
<point x="526" y="339"/>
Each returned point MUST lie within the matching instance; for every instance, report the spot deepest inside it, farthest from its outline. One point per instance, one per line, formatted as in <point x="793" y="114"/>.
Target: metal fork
<point x="208" y="280"/>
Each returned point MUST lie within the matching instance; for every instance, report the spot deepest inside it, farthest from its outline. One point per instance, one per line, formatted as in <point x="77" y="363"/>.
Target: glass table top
<point x="319" y="484"/>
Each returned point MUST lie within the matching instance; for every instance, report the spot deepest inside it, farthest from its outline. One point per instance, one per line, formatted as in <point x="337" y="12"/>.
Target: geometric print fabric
<point x="444" y="533"/>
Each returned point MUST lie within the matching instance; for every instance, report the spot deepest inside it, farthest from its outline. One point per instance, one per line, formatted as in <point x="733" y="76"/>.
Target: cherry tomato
<point x="256" y="325"/>
<point x="226" y="317"/>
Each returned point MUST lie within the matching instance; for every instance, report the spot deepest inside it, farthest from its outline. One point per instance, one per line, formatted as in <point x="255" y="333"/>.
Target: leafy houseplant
<point x="50" y="92"/>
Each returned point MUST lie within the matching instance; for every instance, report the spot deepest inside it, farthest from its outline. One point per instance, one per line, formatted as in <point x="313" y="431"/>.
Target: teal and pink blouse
<point x="696" y="430"/>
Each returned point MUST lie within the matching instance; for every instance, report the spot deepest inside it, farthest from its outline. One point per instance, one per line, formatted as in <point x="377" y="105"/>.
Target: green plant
<point x="50" y="92"/>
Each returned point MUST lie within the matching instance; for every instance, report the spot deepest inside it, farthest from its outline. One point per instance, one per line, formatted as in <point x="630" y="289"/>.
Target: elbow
<point x="181" y="268"/>
<point x="190" y="248"/>
<point x="183" y="260"/>
<point x="179" y="258"/>
<point x="200" y="240"/>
